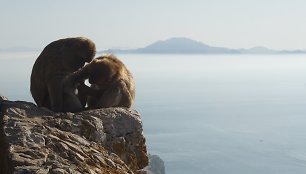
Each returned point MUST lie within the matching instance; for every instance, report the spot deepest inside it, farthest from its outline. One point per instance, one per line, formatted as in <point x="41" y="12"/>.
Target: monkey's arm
<point x="77" y="79"/>
<point x="79" y="76"/>
<point x="90" y="91"/>
<point x="82" y="94"/>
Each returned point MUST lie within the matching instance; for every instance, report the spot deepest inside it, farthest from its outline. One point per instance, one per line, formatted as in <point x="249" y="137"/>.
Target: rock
<point x="156" y="165"/>
<point x="2" y="98"/>
<point x="37" y="140"/>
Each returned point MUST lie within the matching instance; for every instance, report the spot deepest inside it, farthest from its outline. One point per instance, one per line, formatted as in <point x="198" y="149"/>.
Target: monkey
<point x="115" y="83"/>
<point x="112" y="84"/>
<point x="51" y="69"/>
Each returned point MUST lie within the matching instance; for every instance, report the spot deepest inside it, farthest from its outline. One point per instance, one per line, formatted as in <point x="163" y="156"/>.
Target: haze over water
<point x="216" y="114"/>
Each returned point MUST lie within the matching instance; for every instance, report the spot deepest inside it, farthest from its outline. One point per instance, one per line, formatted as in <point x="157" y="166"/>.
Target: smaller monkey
<point x="112" y="84"/>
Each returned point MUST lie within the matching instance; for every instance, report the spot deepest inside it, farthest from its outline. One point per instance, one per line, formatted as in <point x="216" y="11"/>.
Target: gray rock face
<point x="156" y="165"/>
<point x="36" y="140"/>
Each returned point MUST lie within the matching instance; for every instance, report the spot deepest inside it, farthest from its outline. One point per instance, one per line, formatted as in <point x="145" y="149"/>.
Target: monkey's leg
<point x="55" y="90"/>
<point x="71" y="103"/>
<point x="126" y="97"/>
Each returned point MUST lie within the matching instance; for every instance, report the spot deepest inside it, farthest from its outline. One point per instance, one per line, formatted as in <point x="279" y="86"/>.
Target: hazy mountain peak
<point x="181" y="40"/>
<point x="183" y="45"/>
<point x="259" y="48"/>
<point x="177" y="41"/>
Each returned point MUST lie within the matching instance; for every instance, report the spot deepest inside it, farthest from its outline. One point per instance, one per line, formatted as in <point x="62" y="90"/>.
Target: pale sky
<point x="277" y="24"/>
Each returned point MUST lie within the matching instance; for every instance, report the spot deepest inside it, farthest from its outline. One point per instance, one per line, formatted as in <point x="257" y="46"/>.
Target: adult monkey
<point x="57" y="60"/>
<point x="112" y="84"/>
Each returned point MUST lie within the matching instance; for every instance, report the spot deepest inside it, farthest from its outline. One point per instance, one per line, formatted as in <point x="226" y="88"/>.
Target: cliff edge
<point x="39" y="141"/>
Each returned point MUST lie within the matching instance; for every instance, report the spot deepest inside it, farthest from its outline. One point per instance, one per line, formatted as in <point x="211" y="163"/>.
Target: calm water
<point x="233" y="114"/>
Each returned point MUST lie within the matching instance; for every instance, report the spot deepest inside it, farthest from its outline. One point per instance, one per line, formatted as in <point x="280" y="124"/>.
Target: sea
<point x="208" y="114"/>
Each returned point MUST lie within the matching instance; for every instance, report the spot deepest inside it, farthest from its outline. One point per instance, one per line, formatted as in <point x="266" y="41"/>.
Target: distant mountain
<point x="263" y="50"/>
<point x="177" y="46"/>
<point x="257" y="50"/>
<point x="180" y="45"/>
<point x="291" y="52"/>
<point x="183" y="46"/>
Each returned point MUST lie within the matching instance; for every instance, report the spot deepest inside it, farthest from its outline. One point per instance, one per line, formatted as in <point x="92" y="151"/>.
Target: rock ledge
<point x="36" y="140"/>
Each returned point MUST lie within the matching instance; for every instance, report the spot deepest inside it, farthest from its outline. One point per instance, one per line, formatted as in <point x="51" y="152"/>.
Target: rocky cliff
<point x="156" y="165"/>
<point x="36" y="140"/>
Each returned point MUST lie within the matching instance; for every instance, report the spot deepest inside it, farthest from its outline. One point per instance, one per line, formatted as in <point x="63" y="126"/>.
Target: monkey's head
<point x="85" y="48"/>
<point x="78" y="51"/>
<point x="102" y="71"/>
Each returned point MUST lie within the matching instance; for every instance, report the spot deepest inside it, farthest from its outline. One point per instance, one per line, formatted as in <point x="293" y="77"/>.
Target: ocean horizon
<point x="208" y="113"/>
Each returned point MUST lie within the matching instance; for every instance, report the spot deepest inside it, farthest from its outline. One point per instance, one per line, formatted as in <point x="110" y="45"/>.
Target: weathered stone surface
<point x="36" y="140"/>
<point x="156" y="165"/>
<point x="2" y="98"/>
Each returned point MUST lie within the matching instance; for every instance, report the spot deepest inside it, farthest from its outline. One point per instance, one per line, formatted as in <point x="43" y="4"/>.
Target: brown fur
<point x="112" y="84"/>
<point x="49" y="74"/>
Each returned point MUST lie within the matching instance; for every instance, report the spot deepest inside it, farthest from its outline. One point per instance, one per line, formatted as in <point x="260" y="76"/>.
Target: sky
<point x="276" y="24"/>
